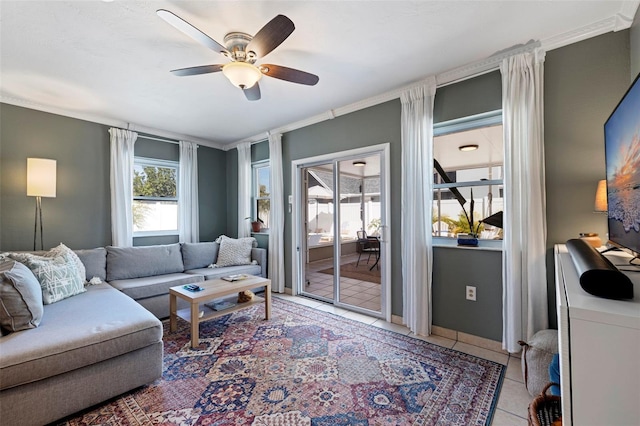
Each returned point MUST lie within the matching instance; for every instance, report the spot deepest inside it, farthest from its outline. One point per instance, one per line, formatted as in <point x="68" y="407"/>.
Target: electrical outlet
<point x="471" y="293"/>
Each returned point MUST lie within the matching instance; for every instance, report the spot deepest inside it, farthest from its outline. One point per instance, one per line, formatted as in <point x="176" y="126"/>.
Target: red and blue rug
<point x="306" y="368"/>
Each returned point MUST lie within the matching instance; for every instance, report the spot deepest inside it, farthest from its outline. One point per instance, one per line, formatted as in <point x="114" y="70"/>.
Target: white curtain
<point x="524" y="286"/>
<point x="188" y="218"/>
<point x="417" y="194"/>
<point x="244" y="189"/>
<point x="276" y="220"/>
<point x="121" y="179"/>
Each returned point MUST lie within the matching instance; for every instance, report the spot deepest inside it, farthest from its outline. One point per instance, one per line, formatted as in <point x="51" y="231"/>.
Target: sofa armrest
<point x="260" y="255"/>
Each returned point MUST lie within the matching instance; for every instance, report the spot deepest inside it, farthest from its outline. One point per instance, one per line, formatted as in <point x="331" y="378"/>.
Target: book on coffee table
<point x="221" y="305"/>
<point x="235" y="277"/>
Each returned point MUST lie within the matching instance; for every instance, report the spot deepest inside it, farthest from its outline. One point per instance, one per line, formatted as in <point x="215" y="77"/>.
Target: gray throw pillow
<point x="124" y="263"/>
<point x="95" y="262"/>
<point x="199" y="255"/>
<point x="20" y="297"/>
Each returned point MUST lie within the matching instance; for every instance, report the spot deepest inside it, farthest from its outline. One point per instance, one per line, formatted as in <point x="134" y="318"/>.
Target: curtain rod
<point x="153" y="138"/>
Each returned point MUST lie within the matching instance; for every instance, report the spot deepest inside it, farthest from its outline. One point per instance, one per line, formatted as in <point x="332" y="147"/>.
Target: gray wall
<point x="635" y="46"/>
<point x="454" y="269"/>
<point x="80" y="215"/>
<point x="212" y="192"/>
<point x="583" y="84"/>
<point x="468" y="97"/>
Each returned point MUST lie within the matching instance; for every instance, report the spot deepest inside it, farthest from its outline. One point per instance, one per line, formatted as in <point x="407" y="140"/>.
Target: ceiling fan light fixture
<point x="470" y="147"/>
<point x="242" y="74"/>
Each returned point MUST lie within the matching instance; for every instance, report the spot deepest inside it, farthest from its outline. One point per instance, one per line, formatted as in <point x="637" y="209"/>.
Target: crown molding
<point x="94" y="118"/>
<point x="620" y="21"/>
<point x="628" y="9"/>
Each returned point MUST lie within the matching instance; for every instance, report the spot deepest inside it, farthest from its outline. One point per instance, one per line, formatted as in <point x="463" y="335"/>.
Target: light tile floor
<point x="354" y="292"/>
<point x="514" y="398"/>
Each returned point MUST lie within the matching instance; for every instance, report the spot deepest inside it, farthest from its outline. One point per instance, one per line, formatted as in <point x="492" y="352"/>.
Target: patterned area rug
<point x="302" y="368"/>
<point x="359" y="272"/>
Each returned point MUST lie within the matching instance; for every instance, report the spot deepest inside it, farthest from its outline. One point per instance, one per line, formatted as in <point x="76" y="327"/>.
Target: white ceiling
<point x="489" y="153"/>
<point x="109" y="61"/>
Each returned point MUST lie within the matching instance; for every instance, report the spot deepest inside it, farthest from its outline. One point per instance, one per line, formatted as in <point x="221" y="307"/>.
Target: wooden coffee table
<point x="214" y="289"/>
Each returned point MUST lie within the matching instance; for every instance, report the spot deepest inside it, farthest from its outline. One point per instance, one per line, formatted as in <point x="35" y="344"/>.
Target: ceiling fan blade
<point x="204" y="69"/>
<point x="289" y="74"/>
<point x="191" y="31"/>
<point x="253" y="92"/>
<point x="271" y="35"/>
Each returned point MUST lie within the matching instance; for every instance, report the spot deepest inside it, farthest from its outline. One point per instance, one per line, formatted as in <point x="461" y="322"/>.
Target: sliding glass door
<point x="341" y="219"/>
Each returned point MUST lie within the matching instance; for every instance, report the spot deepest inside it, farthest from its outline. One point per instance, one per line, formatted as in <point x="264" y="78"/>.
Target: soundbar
<point x="598" y="276"/>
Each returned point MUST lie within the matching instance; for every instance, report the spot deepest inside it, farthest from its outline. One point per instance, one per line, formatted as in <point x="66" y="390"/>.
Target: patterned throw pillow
<point x="58" y="272"/>
<point x="234" y="252"/>
<point x="63" y="250"/>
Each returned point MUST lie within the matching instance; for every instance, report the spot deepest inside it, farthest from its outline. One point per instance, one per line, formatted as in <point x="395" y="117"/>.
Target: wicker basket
<point x="545" y="410"/>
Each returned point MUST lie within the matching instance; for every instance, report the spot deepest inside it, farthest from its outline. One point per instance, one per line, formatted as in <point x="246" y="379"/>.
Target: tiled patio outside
<point x="354" y="292"/>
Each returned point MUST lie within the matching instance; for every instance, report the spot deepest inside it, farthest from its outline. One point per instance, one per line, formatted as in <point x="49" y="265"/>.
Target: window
<point x="468" y="175"/>
<point x="262" y="192"/>
<point x="155" y="197"/>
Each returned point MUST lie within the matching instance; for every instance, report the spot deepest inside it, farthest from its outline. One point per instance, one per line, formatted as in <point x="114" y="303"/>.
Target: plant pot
<point x="468" y="240"/>
<point x="256" y="226"/>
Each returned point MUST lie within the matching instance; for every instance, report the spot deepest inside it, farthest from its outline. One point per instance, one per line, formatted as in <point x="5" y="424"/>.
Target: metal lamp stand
<point x="38" y="218"/>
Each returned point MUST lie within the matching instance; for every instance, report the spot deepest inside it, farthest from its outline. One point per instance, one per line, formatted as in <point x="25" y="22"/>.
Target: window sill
<point x="486" y="245"/>
<point x="155" y="234"/>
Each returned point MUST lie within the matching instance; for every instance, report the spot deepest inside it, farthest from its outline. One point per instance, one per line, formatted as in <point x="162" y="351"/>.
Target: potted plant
<point x="256" y="225"/>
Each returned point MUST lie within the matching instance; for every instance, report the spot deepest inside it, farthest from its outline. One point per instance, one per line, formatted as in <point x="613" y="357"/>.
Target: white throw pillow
<point x="234" y="252"/>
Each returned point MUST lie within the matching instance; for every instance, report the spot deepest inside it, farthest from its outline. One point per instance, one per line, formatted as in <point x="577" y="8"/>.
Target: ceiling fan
<point x="243" y="51"/>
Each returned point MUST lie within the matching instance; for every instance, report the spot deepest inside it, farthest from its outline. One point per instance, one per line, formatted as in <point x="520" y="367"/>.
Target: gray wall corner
<point x="635" y="46"/>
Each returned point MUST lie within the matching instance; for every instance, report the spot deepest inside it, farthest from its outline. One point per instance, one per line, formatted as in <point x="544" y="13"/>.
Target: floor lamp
<point x="41" y="182"/>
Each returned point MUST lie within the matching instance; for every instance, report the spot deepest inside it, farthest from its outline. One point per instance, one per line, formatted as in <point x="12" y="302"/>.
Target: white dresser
<point x="599" y="349"/>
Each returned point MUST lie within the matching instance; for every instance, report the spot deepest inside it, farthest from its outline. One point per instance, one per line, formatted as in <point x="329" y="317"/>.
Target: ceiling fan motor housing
<point x="236" y="43"/>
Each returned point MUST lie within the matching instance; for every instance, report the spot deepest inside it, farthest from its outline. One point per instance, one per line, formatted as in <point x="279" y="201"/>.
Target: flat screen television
<point x="622" y="154"/>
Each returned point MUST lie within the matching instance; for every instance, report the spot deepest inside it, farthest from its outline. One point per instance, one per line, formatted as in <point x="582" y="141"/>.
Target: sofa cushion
<point x="136" y="262"/>
<point x="141" y="288"/>
<point x="20" y="297"/>
<point x="99" y="324"/>
<point x="199" y="255"/>
<point x="59" y="271"/>
<point x="213" y="273"/>
<point x="234" y="252"/>
<point x="95" y="262"/>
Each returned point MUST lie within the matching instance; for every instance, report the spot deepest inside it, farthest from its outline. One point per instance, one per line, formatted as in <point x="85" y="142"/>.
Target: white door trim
<point x="297" y="243"/>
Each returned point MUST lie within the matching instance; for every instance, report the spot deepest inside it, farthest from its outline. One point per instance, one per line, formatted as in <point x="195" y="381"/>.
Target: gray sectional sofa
<point x="101" y="343"/>
<point x="146" y="273"/>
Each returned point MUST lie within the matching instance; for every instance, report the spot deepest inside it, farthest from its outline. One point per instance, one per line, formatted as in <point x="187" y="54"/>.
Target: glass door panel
<point x="319" y="228"/>
<point x="359" y="215"/>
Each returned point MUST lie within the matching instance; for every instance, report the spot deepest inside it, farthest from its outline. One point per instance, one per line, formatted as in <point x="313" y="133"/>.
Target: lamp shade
<point x="601" y="196"/>
<point x="242" y="74"/>
<point x="41" y="177"/>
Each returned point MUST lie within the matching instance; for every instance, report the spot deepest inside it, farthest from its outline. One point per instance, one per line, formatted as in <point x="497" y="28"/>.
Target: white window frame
<point x="156" y="162"/>
<point x="255" y="189"/>
<point x="478" y="121"/>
